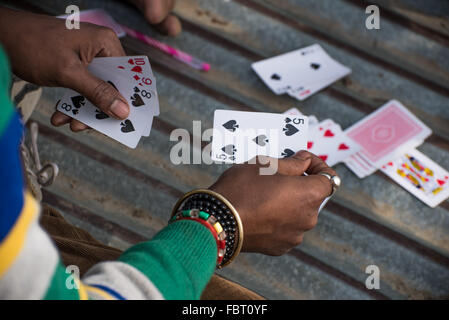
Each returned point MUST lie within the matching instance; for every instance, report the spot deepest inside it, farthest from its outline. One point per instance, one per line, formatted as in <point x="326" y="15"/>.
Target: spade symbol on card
<point x="78" y="102"/>
<point x="100" y="115"/>
<point x="287" y="153"/>
<point x="229" y="149"/>
<point x="275" y="76"/>
<point x="315" y="66"/>
<point x="231" y="125"/>
<point x="137" y="100"/>
<point x="127" y="126"/>
<point x="261" y="140"/>
<point x="290" y="130"/>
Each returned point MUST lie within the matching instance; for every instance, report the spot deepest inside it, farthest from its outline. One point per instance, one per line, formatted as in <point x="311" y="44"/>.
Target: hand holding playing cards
<point x="276" y="209"/>
<point x="157" y="12"/>
<point x="43" y="51"/>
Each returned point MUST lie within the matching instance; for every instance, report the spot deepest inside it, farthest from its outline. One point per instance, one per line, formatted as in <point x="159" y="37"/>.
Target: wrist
<point x="220" y="213"/>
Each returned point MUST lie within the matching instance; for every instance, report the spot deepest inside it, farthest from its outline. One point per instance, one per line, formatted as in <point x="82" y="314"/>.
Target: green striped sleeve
<point x="179" y="260"/>
<point x="6" y="108"/>
<point x="63" y="286"/>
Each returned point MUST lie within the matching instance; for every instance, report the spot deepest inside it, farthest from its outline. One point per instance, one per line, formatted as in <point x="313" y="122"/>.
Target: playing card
<point x="120" y="73"/>
<point x="79" y="108"/>
<point x="139" y="77"/>
<point x="421" y="176"/>
<point x="239" y="136"/>
<point x="387" y="133"/>
<point x="300" y="72"/>
<point x="328" y="141"/>
<point x="101" y="18"/>
<point x="313" y="121"/>
<point x="359" y="166"/>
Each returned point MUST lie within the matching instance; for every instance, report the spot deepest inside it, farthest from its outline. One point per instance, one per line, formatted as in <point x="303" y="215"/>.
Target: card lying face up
<point x="421" y="176"/>
<point x="239" y="136"/>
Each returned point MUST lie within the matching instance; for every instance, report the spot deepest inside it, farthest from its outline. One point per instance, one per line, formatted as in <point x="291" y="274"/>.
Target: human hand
<point x="276" y="209"/>
<point x="43" y="51"/>
<point x="157" y="13"/>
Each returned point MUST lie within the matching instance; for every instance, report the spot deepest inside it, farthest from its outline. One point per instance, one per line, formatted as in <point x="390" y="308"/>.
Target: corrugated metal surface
<point x="123" y="196"/>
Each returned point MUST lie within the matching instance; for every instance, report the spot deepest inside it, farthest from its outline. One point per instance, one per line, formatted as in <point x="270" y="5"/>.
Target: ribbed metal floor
<point x="124" y="196"/>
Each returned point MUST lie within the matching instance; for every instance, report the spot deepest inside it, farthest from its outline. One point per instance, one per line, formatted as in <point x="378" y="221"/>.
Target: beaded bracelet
<point x="209" y="222"/>
<point x="219" y="208"/>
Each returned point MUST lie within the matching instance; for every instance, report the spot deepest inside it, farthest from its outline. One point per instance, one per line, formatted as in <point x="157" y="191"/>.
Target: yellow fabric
<point x="14" y="241"/>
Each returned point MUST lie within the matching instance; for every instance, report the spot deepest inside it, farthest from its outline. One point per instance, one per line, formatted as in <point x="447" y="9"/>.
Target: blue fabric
<point x="113" y="293"/>
<point x="11" y="177"/>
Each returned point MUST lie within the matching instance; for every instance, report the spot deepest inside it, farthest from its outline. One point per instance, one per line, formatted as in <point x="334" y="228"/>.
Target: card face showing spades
<point x="133" y="78"/>
<point x="138" y="74"/>
<point x="79" y="108"/>
<point x="301" y="72"/>
<point x="239" y="136"/>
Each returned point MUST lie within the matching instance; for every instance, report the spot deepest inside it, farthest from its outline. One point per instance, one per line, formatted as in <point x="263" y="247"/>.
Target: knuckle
<point x="107" y="33"/>
<point x="102" y="92"/>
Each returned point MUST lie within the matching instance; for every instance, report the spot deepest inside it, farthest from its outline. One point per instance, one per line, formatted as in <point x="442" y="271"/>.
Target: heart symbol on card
<point x="287" y="153"/>
<point x="328" y="134"/>
<point x="290" y="130"/>
<point x="441" y="182"/>
<point x="121" y="67"/>
<point x="127" y="126"/>
<point x="343" y="146"/>
<point x="323" y="157"/>
<point x="309" y="145"/>
<point x="131" y="61"/>
<point x="137" y="69"/>
<point x="231" y="125"/>
<point x="229" y="149"/>
<point x="261" y="140"/>
<point x="390" y="164"/>
<point x="136" y="77"/>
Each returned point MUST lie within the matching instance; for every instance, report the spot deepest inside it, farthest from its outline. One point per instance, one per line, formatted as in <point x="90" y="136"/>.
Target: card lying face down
<point x="239" y="136"/>
<point x="133" y="78"/>
<point x="387" y="133"/>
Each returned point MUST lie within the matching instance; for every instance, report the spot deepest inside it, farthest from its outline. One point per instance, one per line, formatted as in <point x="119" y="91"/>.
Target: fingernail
<point x="119" y="109"/>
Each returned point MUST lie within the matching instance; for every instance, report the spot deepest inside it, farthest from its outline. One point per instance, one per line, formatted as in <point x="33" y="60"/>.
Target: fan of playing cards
<point x="385" y="139"/>
<point x="134" y="79"/>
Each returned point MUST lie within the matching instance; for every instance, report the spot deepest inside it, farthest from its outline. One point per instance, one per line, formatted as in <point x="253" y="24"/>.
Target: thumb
<point x="295" y="165"/>
<point x="101" y="93"/>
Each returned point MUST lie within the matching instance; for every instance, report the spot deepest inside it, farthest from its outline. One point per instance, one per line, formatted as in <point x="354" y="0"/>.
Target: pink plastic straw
<point x="175" y="53"/>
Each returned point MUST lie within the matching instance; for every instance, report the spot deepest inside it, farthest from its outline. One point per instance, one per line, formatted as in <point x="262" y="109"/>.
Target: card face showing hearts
<point x="100" y="18"/>
<point x="239" y="136"/>
<point x="387" y="133"/>
<point x="300" y="73"/>
<point x="133" y="78"/>
<point x="328" y="141"/>
<point x="420" y="176"/>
